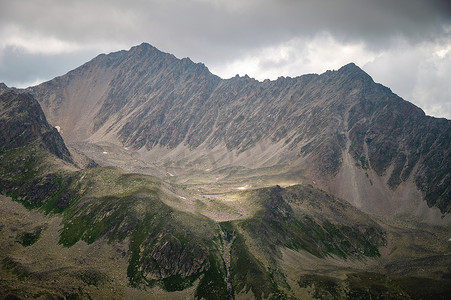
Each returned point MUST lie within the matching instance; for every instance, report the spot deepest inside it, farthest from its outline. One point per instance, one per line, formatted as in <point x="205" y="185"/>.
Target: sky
<point x="403" y="44"/>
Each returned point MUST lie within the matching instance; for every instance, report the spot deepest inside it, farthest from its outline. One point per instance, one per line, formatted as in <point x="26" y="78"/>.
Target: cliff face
<point x="22" y="121"/>
<point x="147" y="99"/>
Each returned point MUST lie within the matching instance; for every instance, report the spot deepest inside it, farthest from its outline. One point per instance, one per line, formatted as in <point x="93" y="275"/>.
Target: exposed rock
<point x="170" y="258"/>
<point x="144" y="98"/>
<point x="22" y="121"/>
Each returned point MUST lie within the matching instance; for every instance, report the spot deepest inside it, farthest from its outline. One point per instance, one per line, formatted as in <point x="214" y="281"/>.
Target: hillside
<point x="100" y="232"/>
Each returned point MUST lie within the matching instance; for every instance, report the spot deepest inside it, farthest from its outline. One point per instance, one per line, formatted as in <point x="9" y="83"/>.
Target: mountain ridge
<point x="229" y="231"/>
<point x="162" y="106"/>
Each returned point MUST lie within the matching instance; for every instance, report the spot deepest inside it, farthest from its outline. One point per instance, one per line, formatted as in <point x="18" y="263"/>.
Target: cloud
<point x="39" y="39"/>
<point x="199" y="26"/>
<point x="432" y="90"/>
<point x="419" y="74"/>
<point x="20" y="68"/>
<point x="36" y="43"/>
<point x="296" y="57"/>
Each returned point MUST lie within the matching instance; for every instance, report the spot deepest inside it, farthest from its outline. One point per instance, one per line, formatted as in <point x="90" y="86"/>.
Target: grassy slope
<point x="106" y="203"/>
<point x="298" y="218"/>
<point x="176" y="250"/>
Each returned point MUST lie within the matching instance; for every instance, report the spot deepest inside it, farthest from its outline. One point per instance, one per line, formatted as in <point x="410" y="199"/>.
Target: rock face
<point x="169" y="258"/>
<point x="336" y="125"/>
<point x="22" y="121"/>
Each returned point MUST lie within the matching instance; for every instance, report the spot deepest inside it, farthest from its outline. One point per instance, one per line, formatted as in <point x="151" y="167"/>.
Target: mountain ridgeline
<point x="177" y="184"/>
<point x="332" y="126"/>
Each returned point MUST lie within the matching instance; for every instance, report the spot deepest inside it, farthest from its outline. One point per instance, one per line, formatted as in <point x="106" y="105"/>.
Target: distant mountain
<point x="340" y="130"/>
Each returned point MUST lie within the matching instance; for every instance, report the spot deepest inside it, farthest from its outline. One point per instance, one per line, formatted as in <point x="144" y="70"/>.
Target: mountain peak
<point x="149" y="99"/>
<point x="354" y="72"/>
<point x="350" y="68"/>
<point x="144" y="45"/>
<point x="144" y="48"/>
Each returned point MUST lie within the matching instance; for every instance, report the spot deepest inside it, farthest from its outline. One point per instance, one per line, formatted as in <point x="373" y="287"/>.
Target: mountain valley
<point x="143" y="176"/>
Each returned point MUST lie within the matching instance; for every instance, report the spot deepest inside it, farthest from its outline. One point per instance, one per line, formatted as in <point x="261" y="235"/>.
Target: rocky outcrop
<point x="22" y="122"/>
<point x="168" y="258"/>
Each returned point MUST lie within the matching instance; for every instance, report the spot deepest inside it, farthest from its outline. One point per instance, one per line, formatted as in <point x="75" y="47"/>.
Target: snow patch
<point x="241" y="188"/>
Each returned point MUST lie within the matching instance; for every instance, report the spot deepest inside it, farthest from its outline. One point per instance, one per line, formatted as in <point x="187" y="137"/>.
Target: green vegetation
<point x="16" y="268"/>
<point x="239" y="119"/>
<point x="364" y="162"/>
<point x="212" y="285"/>
<point x="106" y="203"/>
<point x="92" y="277"/>
<point x="375" y="286"/>
<point x="109" y="204"/>
<point x="280" y="225"/>
<point x="249" y="274"/>
<point x="178" y="283"/>
<point x="324" y="287"/>
<point x="29" y="238"/>
<point x="26" y="177"/>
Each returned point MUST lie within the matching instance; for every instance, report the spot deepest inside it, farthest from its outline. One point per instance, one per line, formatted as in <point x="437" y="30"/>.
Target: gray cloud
<point x="40" y="39"/>
<point x="23" y="69"/>
<point x="227" y="26"/>
<point x="419" y="74"/>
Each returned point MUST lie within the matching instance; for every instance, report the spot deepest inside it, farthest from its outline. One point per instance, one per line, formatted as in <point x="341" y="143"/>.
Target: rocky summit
<point x="143" y="176"/>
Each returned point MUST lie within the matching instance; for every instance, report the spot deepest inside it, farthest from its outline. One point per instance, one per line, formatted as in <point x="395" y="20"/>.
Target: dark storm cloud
<point x="217" y="28"/>
<point x="40" y="39"/>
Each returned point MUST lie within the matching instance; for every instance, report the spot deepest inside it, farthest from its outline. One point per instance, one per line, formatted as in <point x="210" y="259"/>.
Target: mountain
<point x="339" y="131"/>
<point x="216" y="222"/>
<point x="103" y="233"/>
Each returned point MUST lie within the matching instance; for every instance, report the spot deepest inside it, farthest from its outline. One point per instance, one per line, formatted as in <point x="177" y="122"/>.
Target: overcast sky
<point x="403" y="44"/>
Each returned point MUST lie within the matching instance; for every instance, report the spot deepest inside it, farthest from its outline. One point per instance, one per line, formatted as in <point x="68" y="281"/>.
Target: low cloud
<point x="20" y="68"/>
<point x="296" y="57"/>
<point x="419" y="74"/>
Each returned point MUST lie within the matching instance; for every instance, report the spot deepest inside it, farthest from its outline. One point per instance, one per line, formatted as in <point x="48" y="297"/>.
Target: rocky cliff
<point x="22" y="122"/>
